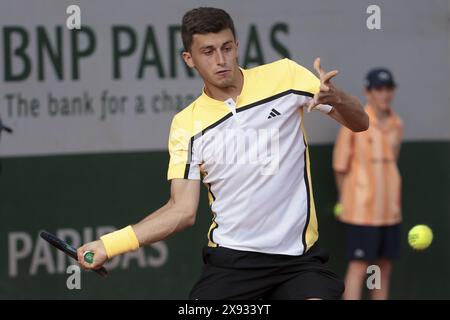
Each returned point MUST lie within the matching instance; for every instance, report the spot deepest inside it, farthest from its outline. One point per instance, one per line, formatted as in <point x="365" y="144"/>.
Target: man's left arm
<point x="347" y="110"/>
<point x="399" y="138"/>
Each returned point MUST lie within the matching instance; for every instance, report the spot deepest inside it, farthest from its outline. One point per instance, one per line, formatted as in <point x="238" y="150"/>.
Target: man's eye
<point x="227" y="49"/>
<point x="208" y="53"/>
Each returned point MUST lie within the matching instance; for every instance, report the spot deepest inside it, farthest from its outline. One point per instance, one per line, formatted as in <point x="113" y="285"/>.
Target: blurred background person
<point x="369" y="187"/>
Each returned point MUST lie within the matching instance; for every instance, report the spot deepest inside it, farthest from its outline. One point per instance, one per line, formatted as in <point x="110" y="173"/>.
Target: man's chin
<point x="224" y="84"/>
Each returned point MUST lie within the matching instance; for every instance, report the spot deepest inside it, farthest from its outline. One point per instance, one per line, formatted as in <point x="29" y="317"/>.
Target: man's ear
<point x="187" y="57"/>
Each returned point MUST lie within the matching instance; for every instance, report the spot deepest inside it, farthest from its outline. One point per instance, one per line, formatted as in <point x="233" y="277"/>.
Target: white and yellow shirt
<point x="253" y="157"/>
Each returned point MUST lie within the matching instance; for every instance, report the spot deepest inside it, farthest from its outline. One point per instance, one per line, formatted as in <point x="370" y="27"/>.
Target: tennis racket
<point x="69" y="250"/>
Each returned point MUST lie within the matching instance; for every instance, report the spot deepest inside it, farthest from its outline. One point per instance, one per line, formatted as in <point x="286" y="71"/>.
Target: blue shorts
<point x="370" y="243"/>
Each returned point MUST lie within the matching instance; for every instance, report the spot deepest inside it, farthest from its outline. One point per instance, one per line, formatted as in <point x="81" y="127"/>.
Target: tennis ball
<point x="337" y="209"/>
<point x="420" y="237"/>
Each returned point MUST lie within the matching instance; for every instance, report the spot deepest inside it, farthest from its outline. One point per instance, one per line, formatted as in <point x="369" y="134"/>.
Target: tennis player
<point x="262" y="240"/>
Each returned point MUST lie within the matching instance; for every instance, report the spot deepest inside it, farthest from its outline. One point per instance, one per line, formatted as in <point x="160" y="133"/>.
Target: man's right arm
<point x="342" y="153"/>
<point x="177" y="214"/>
<point x="339" y="177"/>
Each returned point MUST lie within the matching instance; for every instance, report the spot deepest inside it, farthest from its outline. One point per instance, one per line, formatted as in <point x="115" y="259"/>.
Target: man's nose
<point x="220" y="58"/>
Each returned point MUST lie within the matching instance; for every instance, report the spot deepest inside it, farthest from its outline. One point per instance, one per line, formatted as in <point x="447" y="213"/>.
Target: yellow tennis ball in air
<point x="337" y="209"/>
<point x="420" y="237"/>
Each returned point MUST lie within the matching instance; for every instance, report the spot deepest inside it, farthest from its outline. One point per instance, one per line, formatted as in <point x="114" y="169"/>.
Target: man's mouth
<point x="222" y="72"/>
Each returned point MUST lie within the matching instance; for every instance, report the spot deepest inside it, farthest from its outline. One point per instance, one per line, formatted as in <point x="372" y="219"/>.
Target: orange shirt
<point x="371" y="190"/>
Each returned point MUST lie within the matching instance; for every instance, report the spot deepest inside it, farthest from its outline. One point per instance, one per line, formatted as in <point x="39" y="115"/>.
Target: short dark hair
<point x="204" y="20"/>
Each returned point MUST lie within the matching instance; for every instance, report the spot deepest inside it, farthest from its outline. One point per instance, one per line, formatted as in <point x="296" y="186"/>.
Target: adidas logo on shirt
<point x="273" y="113"/>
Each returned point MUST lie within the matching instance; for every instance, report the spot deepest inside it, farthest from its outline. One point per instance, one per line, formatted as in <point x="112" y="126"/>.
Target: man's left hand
<point x="328" y="93"/>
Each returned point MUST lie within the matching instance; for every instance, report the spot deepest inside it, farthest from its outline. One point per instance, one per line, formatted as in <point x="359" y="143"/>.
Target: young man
<point x="368" y="182"/>
<point x="261" y="241"/>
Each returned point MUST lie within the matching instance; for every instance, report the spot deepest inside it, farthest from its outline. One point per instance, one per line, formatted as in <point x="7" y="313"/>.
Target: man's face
<point x="214" y="56"/>
<point x="381" y="97"/>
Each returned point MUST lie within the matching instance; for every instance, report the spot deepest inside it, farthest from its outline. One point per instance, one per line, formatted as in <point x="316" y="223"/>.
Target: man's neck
<point x="382" y="115"/>
<point x="232" y="91"/>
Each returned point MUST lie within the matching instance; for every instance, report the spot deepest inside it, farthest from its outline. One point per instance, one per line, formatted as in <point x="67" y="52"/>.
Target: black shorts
<point x="233" y="274"/>
<point x="370" y="243"/>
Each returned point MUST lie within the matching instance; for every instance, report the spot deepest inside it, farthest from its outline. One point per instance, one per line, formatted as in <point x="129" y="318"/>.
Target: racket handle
<point x="102" y="271"/>
<point x="89" y="257"/>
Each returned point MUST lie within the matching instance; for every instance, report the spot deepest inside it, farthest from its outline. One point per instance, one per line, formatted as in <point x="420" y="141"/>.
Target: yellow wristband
<point x="120" y="241"/>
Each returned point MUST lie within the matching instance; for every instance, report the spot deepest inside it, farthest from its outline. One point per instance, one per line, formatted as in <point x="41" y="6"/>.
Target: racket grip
<point x="89" y="257"/>
<point x="102" y="271"/>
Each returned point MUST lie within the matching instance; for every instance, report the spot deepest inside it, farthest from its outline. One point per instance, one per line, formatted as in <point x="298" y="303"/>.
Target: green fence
<point x="82" y="195"/>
